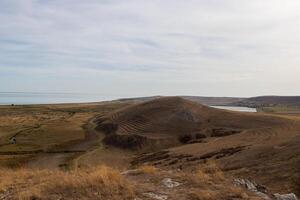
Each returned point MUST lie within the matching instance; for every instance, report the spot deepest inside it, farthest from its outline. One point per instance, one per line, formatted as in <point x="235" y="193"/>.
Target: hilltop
<point x="214" y="101"/>
<point x="256" y="102"/>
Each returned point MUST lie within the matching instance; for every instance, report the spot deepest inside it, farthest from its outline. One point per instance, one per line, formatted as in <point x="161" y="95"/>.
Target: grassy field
<point x="145" y="182"/>
<point x="47" y="130"/>
<point x="64" y="142"/>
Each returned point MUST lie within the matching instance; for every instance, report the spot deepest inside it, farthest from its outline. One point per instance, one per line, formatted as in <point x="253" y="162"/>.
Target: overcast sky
<point x="151" y="47"/>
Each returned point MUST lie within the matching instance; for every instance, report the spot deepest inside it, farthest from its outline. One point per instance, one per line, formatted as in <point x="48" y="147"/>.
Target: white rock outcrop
<point x="290" y="196"/>
<point x="155" y="196"/>
<point x="261" y="191"/>
<point x="169" y="183"/>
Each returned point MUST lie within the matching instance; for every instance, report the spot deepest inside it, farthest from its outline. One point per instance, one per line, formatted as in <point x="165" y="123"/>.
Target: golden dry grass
<point x="147" y="169"/>
<point x="203" y="195"/>
<point x="225" y="193"/>
<point x="107" y="183"/>
<point x="210" y="183"/>
<point x="98" y="183"/>
<point x="208" y="173"/>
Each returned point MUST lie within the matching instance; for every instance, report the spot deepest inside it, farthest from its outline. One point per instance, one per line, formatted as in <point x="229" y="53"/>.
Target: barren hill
<point x="181" y="134"/>
<point x="170" y="121"/>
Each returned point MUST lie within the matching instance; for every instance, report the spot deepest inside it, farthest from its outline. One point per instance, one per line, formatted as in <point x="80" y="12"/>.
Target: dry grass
<point x="208" y="174"/>
<point x="210" y="183"/>
<point x="98" y="183"/>
<point x="147" y="169"/>
<point x="205" y="194"/>
<point x="224" y="192"/>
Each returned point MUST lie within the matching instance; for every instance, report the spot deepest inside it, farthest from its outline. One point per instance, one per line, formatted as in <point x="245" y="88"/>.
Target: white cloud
<point x="181" y="46"/>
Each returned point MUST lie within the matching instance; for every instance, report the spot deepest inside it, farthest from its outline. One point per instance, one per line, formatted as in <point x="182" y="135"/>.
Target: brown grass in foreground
<point x="208" y="173"/>
<point x="99" y="183"/>
<point x="207" y="183"/>
<point x="212" y="184"/>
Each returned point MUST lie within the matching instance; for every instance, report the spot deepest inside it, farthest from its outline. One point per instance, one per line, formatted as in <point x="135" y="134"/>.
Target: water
<point x="236" y="108"/>
<point x="23" y="98"/>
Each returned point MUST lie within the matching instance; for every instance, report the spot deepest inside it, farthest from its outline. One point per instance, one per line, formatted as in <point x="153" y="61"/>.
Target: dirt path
<point x="57" y="159"/>
<point x="92" y="138"/>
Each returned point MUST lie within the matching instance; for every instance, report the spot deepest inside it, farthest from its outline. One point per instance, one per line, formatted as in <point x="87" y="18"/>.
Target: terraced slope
<point x="171" y="121"/>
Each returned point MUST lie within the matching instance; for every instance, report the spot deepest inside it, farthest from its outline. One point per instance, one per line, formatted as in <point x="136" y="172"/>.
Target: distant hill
<point x="139" y="99"/>
<point x="211" y="101"/>
<point x="263" y="101"/>
<point x="255" y="102"/>
<point x="214" y="101"/>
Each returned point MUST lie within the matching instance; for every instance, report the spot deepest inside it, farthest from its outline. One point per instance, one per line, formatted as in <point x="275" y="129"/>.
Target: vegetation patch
<point x="147" y="169"/>
<point x="97" y="183"/>
<point x="107" y="127"/>
<point x="133" y="142"/>
<point x="191" y="138"/>
<point x="221" y="132"/>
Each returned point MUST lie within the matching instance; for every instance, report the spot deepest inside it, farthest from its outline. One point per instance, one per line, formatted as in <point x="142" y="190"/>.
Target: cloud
<point x="196" y="41"/>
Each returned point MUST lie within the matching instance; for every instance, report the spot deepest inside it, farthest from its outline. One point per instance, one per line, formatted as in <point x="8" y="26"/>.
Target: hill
<point x="255" y="102"/>
<point x="180" y="134"/>
<point x="171" y="121"/>
<point x="265" y="101"/>
<point x="213" y="101"/>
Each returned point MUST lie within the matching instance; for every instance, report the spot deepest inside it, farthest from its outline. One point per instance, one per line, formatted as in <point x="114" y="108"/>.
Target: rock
<point x="252" y="186"/>
<point x="290" y="196"/>
<point x="155" y="196"/>
<point x="263" y="195"/>
<point x="169" y="183"/>
<point x="261" y="191"/>
<point x="245" y="183"/>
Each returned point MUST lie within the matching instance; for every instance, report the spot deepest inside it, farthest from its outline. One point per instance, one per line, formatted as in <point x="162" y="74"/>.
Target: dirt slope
<point x="171" y="121"/>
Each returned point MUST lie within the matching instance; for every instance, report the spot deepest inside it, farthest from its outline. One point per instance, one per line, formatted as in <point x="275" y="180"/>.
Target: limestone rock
<point x="290" y="196"/>
<point x="169" y="183"/>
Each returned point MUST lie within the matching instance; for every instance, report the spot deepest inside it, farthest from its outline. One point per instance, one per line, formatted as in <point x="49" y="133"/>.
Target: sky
<point x="159" y="47"/>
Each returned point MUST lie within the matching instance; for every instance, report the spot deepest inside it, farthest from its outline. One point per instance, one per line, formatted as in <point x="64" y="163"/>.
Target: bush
<point x="200" y="136"/>
<point x="185" y="138"/>
<point x="134" y="142"/>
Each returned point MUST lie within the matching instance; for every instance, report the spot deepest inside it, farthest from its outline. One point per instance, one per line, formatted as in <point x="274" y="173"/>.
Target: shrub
<point x="185" y="138"/>
<point x="200" y="136"/>
<point x="133" y="142"/>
